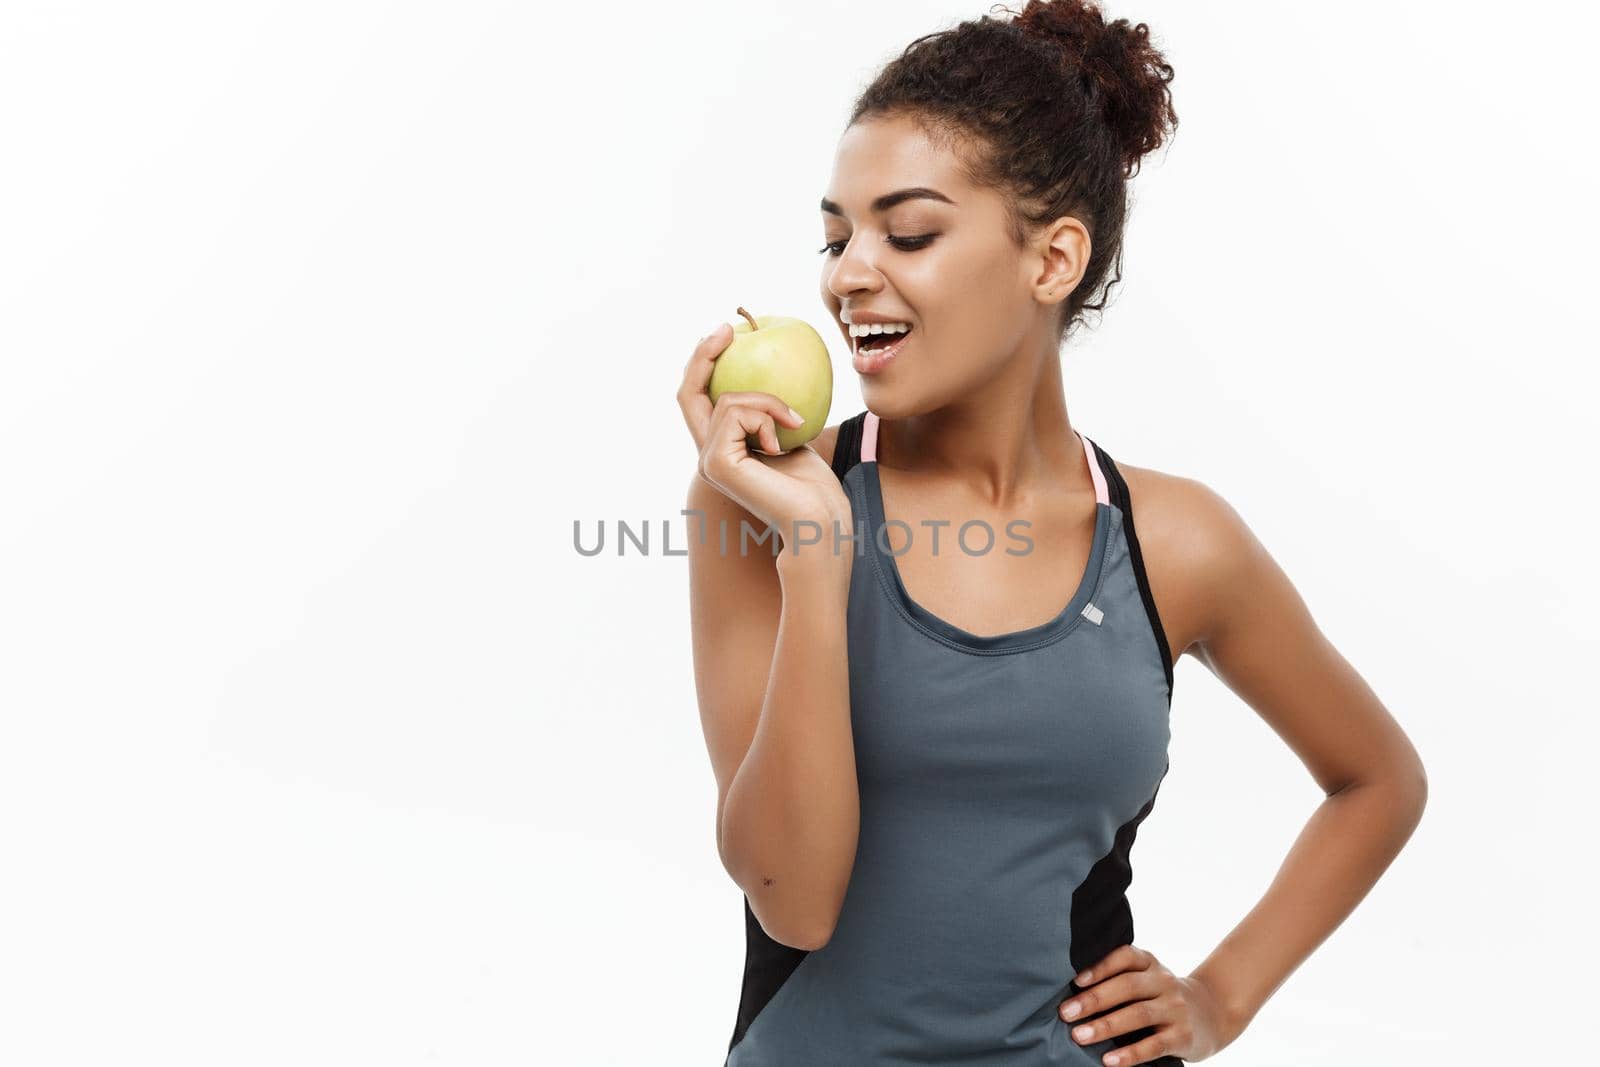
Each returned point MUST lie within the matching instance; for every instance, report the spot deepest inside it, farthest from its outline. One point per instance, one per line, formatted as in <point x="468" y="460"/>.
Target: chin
<point x="887" y="401"/>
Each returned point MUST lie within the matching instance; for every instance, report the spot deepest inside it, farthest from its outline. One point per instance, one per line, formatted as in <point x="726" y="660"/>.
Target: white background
<point x="322" y="322"/>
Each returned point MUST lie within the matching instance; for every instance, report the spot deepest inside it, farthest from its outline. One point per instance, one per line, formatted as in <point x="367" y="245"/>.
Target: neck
<point x="1009" y="437"/>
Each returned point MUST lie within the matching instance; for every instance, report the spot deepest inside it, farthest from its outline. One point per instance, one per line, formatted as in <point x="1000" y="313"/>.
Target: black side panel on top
<point x="1102" y="920"/>
<point x="767" y="965"/>
<point x="1118" y="488"/>
<point x="847" y="449"/>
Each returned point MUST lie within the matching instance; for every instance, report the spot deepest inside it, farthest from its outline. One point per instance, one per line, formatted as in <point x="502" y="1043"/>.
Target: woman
<point x="930" y="772"/>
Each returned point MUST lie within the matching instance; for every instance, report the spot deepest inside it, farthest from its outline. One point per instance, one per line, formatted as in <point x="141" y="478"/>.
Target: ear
<point x="1065" y="247"/>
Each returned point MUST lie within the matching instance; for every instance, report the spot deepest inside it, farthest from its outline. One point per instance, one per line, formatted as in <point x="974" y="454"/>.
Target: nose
<point x="852" y="273"/>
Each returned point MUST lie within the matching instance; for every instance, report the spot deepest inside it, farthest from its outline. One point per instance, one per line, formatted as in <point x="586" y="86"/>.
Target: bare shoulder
<point x="1242" y="618"/>
<point x="1194" y="545"/>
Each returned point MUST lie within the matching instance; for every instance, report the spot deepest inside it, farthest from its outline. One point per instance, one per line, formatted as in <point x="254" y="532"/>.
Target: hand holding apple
<point x="779" y="488"/>
<point x="784" y="356"/>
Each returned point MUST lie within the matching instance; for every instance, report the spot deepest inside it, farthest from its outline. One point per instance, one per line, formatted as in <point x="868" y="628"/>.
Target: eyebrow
<point x="889" y="200"/>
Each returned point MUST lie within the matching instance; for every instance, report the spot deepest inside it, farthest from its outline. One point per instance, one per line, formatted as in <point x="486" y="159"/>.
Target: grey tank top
<point x="1002" y="778"/>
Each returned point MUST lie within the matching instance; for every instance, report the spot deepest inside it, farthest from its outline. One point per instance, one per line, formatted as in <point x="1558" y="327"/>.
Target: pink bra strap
<point x="869" y="454"/>
<point x="1095" y="473"/>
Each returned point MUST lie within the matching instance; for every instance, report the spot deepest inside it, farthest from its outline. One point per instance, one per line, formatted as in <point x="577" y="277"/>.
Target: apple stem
<point x="747" y="315"/>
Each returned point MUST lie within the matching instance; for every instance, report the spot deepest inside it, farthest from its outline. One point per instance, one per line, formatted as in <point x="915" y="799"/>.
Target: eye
<point x="904" y="244"/>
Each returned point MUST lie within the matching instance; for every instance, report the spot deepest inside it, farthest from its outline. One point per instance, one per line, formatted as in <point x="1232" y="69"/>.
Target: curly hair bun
<point x="1118" y="67"/>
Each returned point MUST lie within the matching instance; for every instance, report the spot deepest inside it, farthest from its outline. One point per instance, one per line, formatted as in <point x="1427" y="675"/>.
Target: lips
<point x="871" y="362"/>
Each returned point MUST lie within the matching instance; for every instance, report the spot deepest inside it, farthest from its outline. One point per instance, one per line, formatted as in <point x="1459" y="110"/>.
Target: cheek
<point x="992" y="283"/>
<point x="975" y="307"/>
<point x="976" y="282"/>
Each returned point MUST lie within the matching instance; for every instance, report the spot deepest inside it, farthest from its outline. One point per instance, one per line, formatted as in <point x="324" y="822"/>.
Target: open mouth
<point x="880" y="341"/>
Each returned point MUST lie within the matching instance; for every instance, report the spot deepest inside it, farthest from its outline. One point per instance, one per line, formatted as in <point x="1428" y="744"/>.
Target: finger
<point x="748" y="421"/>
<point x="769" y="437"/>
<point x="1107" y="994"/>
<point x="767" y="409"/>
<point x="768" y="402"/>
<point x="1126" y="1019"/>
<point x="1152" y="1048"/>
<point x="1121" y="958"/>
<point x="693" y="397"/>
<point x="703" y="360"/>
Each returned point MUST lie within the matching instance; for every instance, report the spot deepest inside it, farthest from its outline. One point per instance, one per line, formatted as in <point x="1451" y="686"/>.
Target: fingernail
<point x="1113" y="1059"/>
<point x="1082" y="1033"/>
<point x="1071" y="1010"/>
<point x="1083" y="979"/>
<point x="796" y="416"/>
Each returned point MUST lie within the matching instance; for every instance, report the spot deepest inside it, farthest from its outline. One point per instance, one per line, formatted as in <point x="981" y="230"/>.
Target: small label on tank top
<point x="1093" y="614"/>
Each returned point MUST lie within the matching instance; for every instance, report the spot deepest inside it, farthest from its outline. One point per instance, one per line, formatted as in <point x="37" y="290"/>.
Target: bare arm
<point x="1261" y="641"/>
<point x="772" y="678"/>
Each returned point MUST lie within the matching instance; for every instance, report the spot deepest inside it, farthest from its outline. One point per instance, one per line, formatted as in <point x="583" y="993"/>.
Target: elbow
<point x="1419" y="789"/>
<point x="1408" y="788"/>
<point x="812" y="944"/>
<point x="1404" y="780"/>
<point x="807" y="933"/>
<point x="1411" y="779"/>
<point x="806" y="930"/>
<point x="1403" y="787"/>
<point x="820" y="931"/>
<point x="806" y="925"/>
<point x="801" y="916"/>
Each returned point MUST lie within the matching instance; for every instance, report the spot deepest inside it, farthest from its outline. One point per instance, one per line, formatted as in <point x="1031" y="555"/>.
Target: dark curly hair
<point x="1053" y="107"/>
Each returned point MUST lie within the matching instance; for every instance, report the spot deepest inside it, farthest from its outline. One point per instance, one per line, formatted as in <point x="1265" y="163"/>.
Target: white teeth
<point x="866" y="328"/>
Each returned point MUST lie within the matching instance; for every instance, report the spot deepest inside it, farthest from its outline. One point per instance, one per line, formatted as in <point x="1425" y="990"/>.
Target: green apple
<point x="783" y="356"/>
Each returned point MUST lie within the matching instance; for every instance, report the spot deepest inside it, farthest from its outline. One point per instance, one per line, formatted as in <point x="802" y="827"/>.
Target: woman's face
<point x="944" y="263"/>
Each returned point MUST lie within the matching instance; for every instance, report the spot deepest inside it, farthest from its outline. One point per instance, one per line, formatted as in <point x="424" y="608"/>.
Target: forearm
<point x="792" y="813"/>
<point x="1346" y="845"/>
